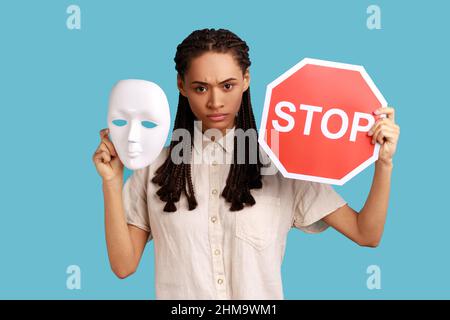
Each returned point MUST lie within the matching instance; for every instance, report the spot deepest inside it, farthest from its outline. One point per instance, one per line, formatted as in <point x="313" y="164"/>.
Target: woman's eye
<point x="148" y="124"/>
<point x="200" y="89"/>
<point x="119" y="122"/>
<point x="228" y="86"/>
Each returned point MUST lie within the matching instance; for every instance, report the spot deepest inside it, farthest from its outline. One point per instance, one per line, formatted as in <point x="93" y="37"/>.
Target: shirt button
<point x="214" y="163"/>
<point x="217" y="252"/>
<point x="220" y="281"/>
<point x="213" y="219"/>
<point x="214" y="191"/>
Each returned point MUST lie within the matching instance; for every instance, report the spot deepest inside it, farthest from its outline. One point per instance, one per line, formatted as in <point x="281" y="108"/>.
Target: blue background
<point x="54" y="86"/>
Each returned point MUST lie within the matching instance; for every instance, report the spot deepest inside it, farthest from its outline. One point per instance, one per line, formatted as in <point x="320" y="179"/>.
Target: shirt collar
<point x="226" y="142"/>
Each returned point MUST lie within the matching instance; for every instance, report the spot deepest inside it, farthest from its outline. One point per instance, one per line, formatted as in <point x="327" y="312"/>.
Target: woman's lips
<point x="217" y="116"/>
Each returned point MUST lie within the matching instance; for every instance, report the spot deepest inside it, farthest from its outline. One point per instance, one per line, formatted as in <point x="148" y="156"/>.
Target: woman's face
<point x="213" y="85"/>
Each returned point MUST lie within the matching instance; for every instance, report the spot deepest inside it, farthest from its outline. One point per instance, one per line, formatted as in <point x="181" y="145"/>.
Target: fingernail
<point x="370" y="133"/>
<point x="376" y="112"/>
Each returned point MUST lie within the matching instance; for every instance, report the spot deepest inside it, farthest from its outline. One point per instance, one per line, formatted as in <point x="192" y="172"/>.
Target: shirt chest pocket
<point x="258" y="224"/>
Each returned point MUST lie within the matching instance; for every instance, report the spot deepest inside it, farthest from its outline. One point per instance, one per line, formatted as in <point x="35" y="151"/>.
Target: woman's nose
<point x="215" y="100"/>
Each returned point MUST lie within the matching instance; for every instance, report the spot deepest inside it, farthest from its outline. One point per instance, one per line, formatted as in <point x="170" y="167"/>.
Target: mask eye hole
<point x="119" y="122"/>
<point x="148" y="124"/>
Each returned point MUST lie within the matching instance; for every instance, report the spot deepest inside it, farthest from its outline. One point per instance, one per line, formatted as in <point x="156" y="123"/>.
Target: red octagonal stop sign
<point x="316" y="118"/>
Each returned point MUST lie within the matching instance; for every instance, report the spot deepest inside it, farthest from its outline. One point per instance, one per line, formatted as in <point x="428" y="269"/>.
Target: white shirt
<point x="212" y="252"/>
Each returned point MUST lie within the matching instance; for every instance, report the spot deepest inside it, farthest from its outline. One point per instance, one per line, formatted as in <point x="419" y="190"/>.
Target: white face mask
<point x="138" y="121"/>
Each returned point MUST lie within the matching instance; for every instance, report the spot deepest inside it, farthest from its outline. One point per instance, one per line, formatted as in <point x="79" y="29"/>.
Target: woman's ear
<point x="180" y="85"/>
<point x="246" y="79"/>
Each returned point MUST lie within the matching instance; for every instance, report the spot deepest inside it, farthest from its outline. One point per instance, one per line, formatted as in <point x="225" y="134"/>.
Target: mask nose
<point x="134" y="137"/>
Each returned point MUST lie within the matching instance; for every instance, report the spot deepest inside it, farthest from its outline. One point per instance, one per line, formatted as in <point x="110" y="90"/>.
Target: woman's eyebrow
<point x="205" y="83"/>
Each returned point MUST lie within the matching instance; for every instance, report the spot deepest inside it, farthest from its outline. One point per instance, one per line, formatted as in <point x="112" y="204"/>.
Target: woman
<point x="220" y="229"/>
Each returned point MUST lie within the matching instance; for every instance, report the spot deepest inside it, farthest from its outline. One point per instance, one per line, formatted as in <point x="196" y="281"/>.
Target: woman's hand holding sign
<point x="386" y="132"/>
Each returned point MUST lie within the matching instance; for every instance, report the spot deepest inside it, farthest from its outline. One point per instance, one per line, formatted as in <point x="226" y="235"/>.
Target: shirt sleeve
<point x="314" y="201"/>
<point x="134" y="197"/>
